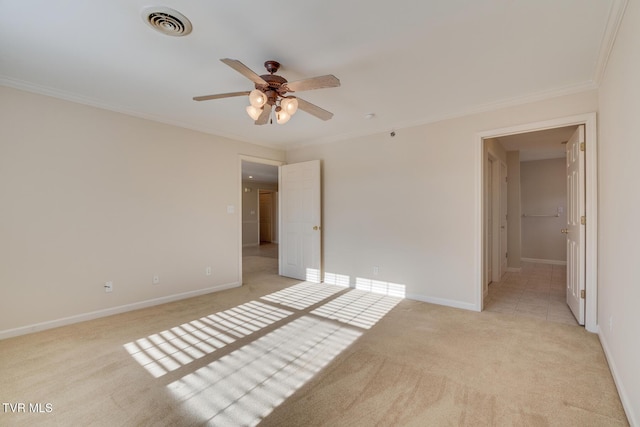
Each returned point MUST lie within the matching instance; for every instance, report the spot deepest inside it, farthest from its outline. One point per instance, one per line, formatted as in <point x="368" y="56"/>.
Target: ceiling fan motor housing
<point x="274" y="88"/>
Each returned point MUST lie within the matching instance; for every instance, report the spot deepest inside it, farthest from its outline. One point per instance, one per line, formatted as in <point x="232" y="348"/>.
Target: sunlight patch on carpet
<point x="246" y="385"/>
<point x="358" y="308"/>
<point x="302" y="295"/>
<point x="168" y="350"/>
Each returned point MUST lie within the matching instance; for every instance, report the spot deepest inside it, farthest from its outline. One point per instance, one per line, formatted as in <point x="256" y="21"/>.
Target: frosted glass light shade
<point x="254" y="112"/>
<point x="282" y="117"/>
<point x="290" y="105"/>
<point x="257" y="98"/>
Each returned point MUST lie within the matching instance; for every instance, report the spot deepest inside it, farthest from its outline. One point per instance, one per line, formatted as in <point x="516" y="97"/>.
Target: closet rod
<point x="541" y="216"/>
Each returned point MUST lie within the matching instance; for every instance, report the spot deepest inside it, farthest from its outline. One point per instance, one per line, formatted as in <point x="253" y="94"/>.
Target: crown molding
<point x="91" y="102"/>
<point x="608" y="38"/>
<point x="478" y="109"/>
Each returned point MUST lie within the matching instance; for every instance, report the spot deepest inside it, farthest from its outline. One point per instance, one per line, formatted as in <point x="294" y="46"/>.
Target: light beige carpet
<point x="281" y="353"/>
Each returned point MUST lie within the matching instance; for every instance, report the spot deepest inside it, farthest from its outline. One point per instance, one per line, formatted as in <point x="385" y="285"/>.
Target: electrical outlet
<point x="156" y="280"/>
<point x="108" y="286"/>
<point x="376" y="270"/>
<point x="207" y="271"/>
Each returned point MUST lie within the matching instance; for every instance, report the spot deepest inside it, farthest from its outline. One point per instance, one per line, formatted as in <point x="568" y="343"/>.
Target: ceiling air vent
<point x="167" y="21"/>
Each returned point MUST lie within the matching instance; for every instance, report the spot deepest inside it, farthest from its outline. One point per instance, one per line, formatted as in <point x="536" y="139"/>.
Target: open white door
<point x="575" y="230"/>
<point x="503" y="219"/>
<point x="300" y="215"/>
<point x="489" y="224"/>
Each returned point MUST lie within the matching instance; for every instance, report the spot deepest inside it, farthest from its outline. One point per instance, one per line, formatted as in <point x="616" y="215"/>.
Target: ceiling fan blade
<point x="314" y="110"/>
<point x="319" y="82"/>
<point x="264" y="117"/>
<point x="220" y="95"/>
<point x="244" y="70"/>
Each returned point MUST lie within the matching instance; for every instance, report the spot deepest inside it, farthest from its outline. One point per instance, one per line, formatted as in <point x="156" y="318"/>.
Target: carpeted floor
<point x="277" y="352"/>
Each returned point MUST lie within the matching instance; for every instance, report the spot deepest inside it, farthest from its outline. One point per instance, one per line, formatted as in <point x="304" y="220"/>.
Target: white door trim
<point x="591" y="273"/>
<point x="251" y="159"/>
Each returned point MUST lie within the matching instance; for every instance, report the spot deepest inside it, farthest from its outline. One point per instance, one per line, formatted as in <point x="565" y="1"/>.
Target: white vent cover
<point x="167" y="21"/>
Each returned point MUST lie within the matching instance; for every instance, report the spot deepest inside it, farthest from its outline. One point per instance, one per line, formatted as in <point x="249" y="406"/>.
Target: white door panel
<point x="489" y="224"/>
<point x="575" y="230"/>
<point x="300" y="201"/>
<point x="503" y="219"/>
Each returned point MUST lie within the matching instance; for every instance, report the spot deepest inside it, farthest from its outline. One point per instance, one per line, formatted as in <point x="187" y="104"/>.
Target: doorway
<point x="295" y="206"/>
<point x="259" y="219"/>
<point x="590" y="258"/>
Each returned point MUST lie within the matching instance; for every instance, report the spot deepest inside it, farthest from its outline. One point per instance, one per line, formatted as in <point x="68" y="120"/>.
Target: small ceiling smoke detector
<point x="167" y="21"/>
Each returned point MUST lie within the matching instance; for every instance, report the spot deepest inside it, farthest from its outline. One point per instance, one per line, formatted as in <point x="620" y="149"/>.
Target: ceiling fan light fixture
<point x="290" y="105"/>
<point x="254" y="112"/>
<point x="257" y="98"/>
<point x="282" y="116"/>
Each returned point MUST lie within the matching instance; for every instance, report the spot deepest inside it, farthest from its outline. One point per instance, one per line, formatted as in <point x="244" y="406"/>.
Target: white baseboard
<point x="544" y="261"/>
<point x="617" y="379"/>
<point x="23" y="330"/>
<point x="514" y="269"/>
<point x="443" y="301"/>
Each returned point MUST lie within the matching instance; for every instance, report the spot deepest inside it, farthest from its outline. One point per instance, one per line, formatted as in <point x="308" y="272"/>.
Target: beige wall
<point x="619" y="205"/>
<point x="543" y="189"/>
<point x="406" y="204"/>
<point x="514" y="211"/>
<point x="88" y="195"/>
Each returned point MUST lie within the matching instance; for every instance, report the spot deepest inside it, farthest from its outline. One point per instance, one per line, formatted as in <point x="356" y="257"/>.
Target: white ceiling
<point x="259" y="172"/>
<point x="408" y="61"/>
<point x="539" y="145"/>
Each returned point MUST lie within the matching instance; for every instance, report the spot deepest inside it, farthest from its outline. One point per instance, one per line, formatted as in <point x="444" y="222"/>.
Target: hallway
<point x="538" y="291"/>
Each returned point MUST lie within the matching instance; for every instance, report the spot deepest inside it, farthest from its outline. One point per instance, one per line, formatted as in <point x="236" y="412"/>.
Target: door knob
<point x="315" y="227"/>
<point x="565" y="231"/>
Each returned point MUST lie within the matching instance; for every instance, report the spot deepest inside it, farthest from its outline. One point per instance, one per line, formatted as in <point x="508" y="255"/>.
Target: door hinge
<point x="583" y="220"/>
<point x="582" y="146"/>
<point x="506" y="179"/>
<point x="583" y="294"/>
<point x="506" y="254"/>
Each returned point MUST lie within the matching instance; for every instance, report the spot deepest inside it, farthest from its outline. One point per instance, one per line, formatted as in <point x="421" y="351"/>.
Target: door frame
<point x="591" y="204"/>
<point x="489" y="210"/>
<point x="239" y="190"/>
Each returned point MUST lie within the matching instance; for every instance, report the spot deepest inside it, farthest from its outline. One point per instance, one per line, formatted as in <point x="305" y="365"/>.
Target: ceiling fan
<point x="271" y="90"/>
